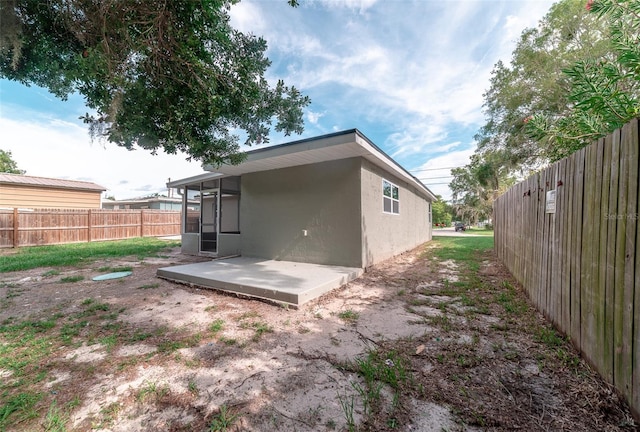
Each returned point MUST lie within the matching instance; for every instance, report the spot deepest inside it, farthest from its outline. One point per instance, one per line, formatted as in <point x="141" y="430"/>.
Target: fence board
<point x="629" y="143"/>
<point x="32" y="227"/>
<point x="586" y="277"/>
<point x="576" y="333"/>
<point x="581" y="266"/>
<point x="566" y="191"/>
<point x="607" y="231"/>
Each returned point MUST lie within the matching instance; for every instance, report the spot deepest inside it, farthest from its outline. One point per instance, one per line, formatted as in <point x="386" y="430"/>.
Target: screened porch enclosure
<point x="212" y="225"/>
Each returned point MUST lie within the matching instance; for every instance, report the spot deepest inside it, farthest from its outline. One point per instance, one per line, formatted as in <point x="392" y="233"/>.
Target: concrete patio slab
<point x="288" y="282"/>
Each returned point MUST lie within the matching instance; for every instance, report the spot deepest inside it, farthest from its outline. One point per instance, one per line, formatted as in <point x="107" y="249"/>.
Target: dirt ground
<point x="449" y="350"/>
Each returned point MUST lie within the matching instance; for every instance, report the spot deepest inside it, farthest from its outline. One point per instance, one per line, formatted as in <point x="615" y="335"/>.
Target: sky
<point x="410" y="75"/>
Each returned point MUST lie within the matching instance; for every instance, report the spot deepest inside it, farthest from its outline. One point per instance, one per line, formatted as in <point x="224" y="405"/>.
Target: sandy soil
<point x="183" y="354"/>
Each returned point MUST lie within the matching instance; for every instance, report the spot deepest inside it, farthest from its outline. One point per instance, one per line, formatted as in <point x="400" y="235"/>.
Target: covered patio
<point x="287" y="282"/>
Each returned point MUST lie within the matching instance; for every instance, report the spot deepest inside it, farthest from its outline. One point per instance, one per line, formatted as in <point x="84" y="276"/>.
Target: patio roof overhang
<point x="340" y="145"/>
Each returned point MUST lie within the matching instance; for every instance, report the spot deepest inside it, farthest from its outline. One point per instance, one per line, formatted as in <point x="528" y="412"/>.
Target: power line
<point x="433" y="184"/>
<point x="435" y="178"/>
<point x="436" y="169"/>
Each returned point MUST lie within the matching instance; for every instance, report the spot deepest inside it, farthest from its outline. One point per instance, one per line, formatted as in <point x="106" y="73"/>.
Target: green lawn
<point x="72" y="254"/>
<point x="462" y="249"/>
<point x="479" y="231"/>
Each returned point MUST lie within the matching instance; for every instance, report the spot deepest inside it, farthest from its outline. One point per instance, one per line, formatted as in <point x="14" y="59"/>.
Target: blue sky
<point x="408" y="74"/>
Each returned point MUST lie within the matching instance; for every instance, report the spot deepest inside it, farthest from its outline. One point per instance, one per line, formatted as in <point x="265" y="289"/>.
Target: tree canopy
<point x="441" y="212"/>
<point x="171" y="76"/>
<point x="604" y="92"/>
<point x="534" y="82"/>
<point x="571" y="80"/>
<point x="7" y="164"/>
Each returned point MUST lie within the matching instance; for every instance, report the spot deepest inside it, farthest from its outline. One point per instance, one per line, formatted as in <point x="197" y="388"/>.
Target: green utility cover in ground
<point x="115" y="275"/>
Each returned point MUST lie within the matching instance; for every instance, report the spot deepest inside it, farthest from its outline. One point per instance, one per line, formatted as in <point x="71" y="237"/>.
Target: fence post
<point x="16" y="240"/>
<point x="89" y="227"/>
<point x="141" y="223"/>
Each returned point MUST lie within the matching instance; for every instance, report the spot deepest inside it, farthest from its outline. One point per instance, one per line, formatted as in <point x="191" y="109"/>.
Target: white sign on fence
<point x="551" y="201"/>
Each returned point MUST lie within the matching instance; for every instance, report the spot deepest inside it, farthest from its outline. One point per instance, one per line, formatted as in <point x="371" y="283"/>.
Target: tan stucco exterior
<point x="384" y="234"/>
<point x="339" y="204"/>
<point x="323" y="199"/>
<point x="319" y="200"/>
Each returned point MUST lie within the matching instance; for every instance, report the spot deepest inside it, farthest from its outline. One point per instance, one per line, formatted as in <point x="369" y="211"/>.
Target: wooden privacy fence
<point x="31" y="227"/>
<point x="579" y="262"/>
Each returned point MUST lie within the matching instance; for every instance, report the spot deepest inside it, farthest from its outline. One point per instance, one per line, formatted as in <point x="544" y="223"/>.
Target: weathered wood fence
<point x="31" y="227"/>
<point x="580" y="263"/>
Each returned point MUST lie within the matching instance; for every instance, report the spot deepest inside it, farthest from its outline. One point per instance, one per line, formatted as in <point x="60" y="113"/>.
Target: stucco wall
<point x="323" y="199"/>
<point x="190" y="243"/>
<point x="386" y="235"/>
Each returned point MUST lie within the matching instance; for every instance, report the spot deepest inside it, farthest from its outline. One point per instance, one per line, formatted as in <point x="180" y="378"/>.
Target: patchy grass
<point x="50" y="273"/>
<point x="223" y="419"/>
<point x="216" y="326"/>
<point x="487" y="357"/>
<point x="149" y="286"/>
<point x="349" y="316"/>
<point x="381" y="370"/>
<point x="80" y="253"/>
<point x="115" y="269"/>
<point x="72" y="279"/>
<point x="463" y="250"/>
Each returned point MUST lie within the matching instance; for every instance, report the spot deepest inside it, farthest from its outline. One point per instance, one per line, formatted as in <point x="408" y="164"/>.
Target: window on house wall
<point x="390" y="197"/>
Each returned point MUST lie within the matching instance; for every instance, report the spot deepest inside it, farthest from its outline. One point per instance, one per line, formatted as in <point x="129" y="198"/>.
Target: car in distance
<point x="460" y="226"/>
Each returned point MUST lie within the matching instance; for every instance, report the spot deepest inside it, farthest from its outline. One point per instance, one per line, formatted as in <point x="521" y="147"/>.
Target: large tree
<point x="475" y="186"/>
<point x="7" y="164"/>
<point x="557" y="69"/>
<point x="162" y="75"/>
<point x="604" y="93"/>
<point x="534" y="82"/>
<point x="441" y="212"/>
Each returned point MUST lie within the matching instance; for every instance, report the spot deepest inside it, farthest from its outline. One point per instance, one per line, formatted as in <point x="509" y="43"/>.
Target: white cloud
<point x="360" y="6"/>
<point x="61" y="149"/>
<point x="314" y="117"/>
<point x="440" y="166"/>
<point x="413" y="72"/>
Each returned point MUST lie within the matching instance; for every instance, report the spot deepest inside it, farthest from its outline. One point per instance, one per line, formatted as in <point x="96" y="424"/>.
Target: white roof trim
<point x="194" y="179"/>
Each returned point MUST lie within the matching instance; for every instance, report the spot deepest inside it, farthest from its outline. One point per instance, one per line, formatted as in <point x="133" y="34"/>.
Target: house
<point x="23" y="191"/>
<point x="149" y="202"/>
<point x="335" y="200"/>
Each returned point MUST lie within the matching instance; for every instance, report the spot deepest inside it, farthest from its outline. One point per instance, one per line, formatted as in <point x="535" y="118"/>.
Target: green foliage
<point x="572" y="79"/>
<point x="223" y="420"/>
<point x="534" y="82"/>
<point x="72" y="279"/>
<point x="605" y="92"/>
<point x="21" y="404"/>
<point x="7" y="164"/>
<point x="216" y="326"/>
<point x="349" y="316"/>
<point x="170" y="76"/>
<point x="475" y="186"/>
<point x="73" y="254"/>
<point x="441" y="212"/>
<point x="55" y="421"/>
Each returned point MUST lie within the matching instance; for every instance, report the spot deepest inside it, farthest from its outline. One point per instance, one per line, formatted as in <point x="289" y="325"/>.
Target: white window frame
<point x="390" y="198"/>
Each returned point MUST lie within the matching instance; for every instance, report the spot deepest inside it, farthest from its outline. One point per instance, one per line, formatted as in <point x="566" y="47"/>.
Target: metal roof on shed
<point x="24" y="180"/>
